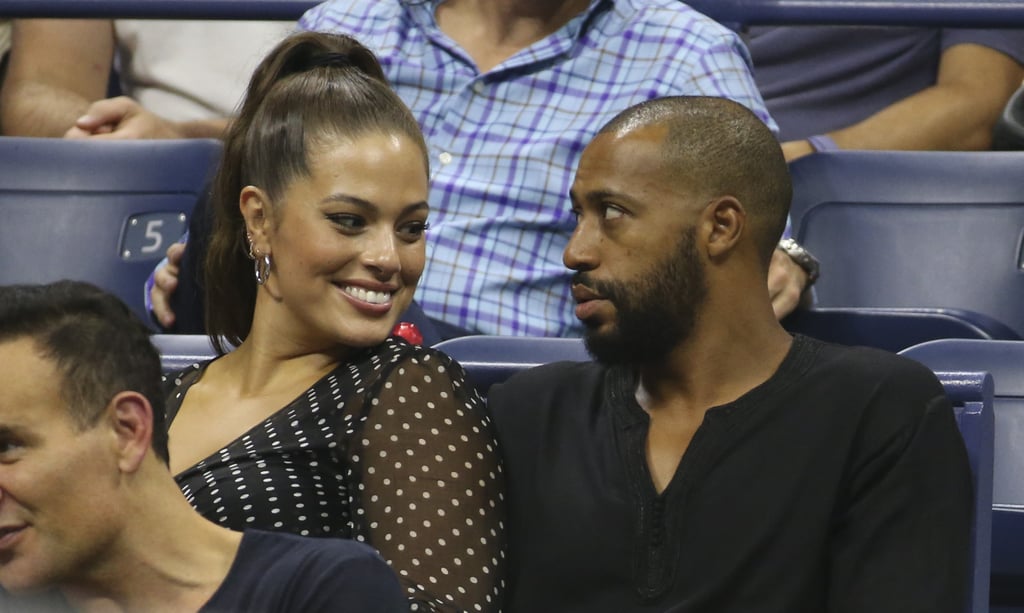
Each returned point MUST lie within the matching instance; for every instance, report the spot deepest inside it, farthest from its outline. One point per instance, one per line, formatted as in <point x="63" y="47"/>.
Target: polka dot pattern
<point x="393" y="449"/>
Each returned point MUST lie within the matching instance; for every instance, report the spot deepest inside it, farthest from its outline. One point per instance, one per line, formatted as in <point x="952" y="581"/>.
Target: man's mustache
<point x="607" y="290"/>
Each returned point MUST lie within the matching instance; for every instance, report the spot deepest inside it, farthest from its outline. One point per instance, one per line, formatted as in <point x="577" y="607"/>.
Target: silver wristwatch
<point x="803" y="259"/>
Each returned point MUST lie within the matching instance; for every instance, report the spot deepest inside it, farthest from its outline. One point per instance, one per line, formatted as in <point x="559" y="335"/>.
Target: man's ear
<point x="255" y="207"/>
<point x="131" y="416"/>
<point x="724" y="220"/>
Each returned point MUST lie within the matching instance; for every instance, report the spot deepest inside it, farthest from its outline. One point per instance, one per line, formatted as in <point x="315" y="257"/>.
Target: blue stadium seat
<point x="971" y="394"/>
<point x="1005" y="361"/>
<point x="492" y="359"/>
<point x="97" y="211"/>
<point x="178" y="351"/>
<point x="893" y="329"/>
<point x="915" y="229"/>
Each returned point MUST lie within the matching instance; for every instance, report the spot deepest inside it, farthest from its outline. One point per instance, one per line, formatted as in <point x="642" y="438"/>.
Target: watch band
<point x="803" y="259"/>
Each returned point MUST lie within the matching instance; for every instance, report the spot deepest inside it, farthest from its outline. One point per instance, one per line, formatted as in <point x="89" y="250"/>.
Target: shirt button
<point x="445" y="157"/>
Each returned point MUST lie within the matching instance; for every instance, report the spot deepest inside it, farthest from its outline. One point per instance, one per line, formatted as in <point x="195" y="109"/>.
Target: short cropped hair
<point x="99" y="346"/>
<point x="718" y="147"/>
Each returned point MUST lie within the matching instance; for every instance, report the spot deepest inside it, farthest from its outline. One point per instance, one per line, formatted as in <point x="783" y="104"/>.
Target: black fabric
<point x="393" y="448"/>
<point x="283" y="573"/>
<point x="840" y="484"/>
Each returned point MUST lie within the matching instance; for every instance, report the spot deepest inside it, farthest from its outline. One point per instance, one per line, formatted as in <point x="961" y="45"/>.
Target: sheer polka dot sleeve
<point x="430" y="490"/>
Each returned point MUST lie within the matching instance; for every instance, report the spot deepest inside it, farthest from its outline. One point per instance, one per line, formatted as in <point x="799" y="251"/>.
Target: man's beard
<point x="655" y="313"/>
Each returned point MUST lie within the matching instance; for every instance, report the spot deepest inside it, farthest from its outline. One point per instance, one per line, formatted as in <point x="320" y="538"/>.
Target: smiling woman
<point x="319" y="423"/>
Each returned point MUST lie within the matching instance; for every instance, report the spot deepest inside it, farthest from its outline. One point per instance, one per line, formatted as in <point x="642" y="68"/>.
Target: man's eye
<point x="613" y="212"/>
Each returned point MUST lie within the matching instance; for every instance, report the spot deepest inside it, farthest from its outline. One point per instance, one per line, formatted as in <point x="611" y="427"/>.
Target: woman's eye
<point x="347" y="222"/>
<point x="413" y="230"/>
<point x="9" y="449"/>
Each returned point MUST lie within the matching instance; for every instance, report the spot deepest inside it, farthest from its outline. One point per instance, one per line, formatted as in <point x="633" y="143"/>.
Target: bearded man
<point x="708" y="460"/>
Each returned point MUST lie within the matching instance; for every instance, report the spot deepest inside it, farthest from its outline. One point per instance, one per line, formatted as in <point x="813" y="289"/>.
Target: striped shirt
<point x="504" y="143"/>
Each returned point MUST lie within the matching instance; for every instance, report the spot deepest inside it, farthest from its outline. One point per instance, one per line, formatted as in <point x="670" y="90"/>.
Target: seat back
<point x="893" y="329"/>
<point x="971" y="394"/>
<point x="915" y="229"/>
<point x="1005" y="361"/>
<point x="178" y="351"/>
<point x="492" y="359"/>
<point x="97" y="211"/>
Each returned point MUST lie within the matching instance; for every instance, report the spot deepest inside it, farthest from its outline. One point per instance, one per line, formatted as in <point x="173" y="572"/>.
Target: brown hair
<point x="312" y="88"/>
<point x="99" y="347"/>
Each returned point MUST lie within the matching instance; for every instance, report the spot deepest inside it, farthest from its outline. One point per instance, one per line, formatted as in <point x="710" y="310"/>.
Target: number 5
<point x="153" y="233"/>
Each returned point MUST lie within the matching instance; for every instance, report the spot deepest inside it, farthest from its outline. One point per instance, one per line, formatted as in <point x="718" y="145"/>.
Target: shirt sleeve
<point x="902" y="530"/>
<point x="430" y="492"/>
<point x="1007" y="41"/>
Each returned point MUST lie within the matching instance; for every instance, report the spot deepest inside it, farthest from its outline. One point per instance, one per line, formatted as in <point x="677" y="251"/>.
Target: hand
<point x="786" y="283"/>
<point x="165" y="281"/>
<point x="121" y="118"/>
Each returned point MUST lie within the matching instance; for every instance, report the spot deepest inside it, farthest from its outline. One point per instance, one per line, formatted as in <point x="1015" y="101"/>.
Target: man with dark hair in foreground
<point x="88" y="506"/>
<point x="709" y="461"/>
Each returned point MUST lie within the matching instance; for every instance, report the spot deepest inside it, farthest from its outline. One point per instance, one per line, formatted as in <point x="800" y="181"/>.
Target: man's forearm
<point x="938" y="118"/>
<point x="203" y="128"/>
<point x="37" y="109"/>
<point x="957" y="113"/>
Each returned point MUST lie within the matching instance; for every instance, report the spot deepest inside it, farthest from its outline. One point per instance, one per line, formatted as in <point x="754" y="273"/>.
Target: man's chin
<point x="607" y="347"/>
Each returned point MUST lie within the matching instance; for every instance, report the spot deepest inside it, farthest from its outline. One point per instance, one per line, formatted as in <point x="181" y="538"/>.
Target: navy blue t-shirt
<point x="280" y="573"/>
<point x="816" y="79"/>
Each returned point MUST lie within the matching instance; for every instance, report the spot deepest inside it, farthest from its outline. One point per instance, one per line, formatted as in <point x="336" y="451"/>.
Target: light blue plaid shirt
<point x="504" y="144"/>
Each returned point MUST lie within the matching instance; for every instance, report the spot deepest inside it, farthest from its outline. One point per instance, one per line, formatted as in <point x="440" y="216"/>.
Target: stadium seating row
<point x="925" y="245"/>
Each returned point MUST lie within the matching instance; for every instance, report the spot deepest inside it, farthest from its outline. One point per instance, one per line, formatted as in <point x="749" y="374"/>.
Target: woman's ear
<point x="255" y="207"/>
<point x="725" y="221"/>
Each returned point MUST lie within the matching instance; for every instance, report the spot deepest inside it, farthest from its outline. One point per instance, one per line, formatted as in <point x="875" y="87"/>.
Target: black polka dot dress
<point x="394" y="449"/>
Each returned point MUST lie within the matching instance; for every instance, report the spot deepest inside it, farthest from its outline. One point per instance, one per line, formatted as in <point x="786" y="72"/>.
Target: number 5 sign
<point x="146" y="237"/>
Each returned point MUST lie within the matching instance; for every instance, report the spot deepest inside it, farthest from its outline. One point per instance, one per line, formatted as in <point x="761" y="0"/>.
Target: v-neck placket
<point x="659" y="516"/>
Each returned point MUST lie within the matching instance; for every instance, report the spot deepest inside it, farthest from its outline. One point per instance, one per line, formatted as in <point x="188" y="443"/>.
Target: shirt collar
<point x="558" y="42"/>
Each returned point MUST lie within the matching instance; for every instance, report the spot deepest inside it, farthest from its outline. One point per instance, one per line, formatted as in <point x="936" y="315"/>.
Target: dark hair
<point x="312" y="88"/>
<point x="719" y="147"/>
<point x="98" y="345"/>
